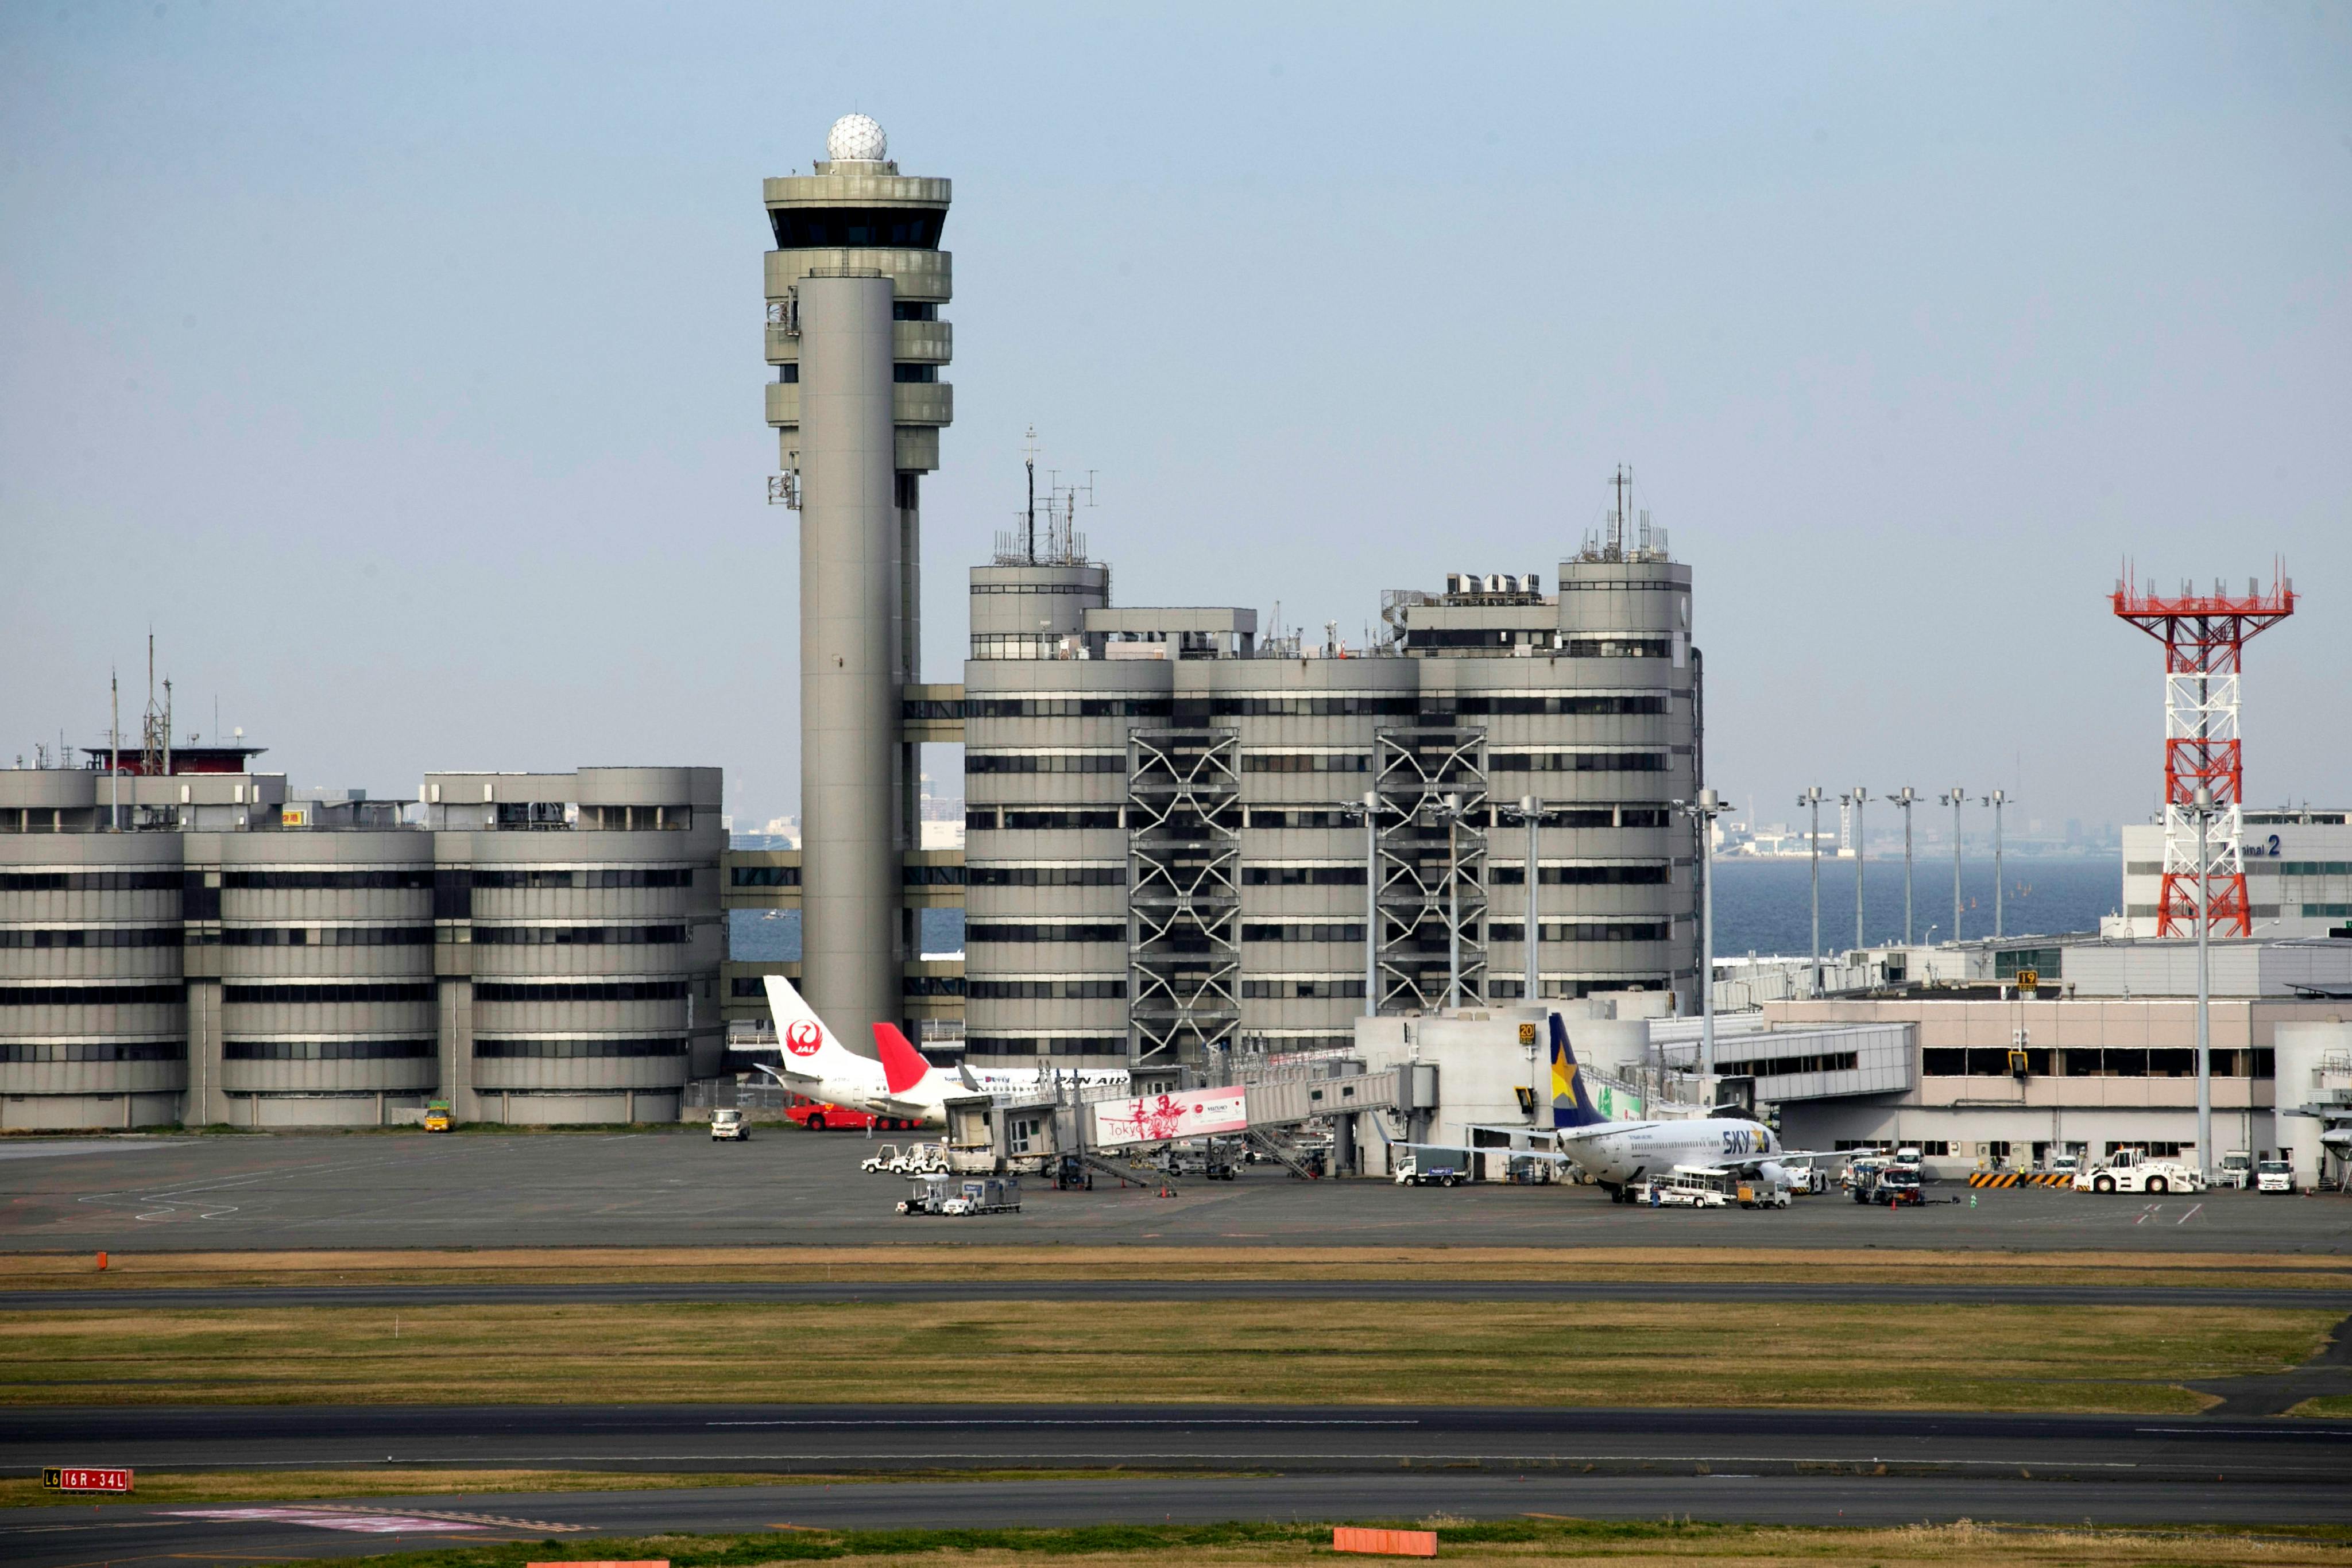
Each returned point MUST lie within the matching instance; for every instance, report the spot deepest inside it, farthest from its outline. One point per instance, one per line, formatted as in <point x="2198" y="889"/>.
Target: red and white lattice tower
<point x="2204" y="637"/>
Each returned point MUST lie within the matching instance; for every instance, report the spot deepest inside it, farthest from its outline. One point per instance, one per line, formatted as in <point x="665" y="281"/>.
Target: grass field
<point x="933" y="1260"/>
<point x="1579" y="1543"/>
<point x="1979" y="1358"/>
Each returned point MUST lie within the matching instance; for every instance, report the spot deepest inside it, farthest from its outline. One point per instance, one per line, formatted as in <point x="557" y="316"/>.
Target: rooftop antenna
<point x="1622" y="483"/>
<point x="1029" y="525"/>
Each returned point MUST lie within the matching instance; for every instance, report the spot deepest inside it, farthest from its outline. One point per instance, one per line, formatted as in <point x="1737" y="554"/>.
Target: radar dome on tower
<point x="854" y="139"/>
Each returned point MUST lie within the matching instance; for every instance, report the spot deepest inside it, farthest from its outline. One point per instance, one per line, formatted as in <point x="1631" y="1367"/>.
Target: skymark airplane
<point x="1618" y="1153"/>
<point x="901" y="1085"/>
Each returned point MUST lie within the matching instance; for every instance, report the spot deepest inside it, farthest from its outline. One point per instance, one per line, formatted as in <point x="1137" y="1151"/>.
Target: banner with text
<point x="1156" y="1119"/>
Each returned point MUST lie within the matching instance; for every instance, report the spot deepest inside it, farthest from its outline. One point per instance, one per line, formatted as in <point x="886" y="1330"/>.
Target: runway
<point x="820" y="1438"/>
<point x="1957" y="1292"/>
<point x="1735" y="1491"/>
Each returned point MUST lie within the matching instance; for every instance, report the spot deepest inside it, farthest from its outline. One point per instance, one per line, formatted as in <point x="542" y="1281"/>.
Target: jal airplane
<point x="1617" y="1154"/>
<point x="901" y="1085"/>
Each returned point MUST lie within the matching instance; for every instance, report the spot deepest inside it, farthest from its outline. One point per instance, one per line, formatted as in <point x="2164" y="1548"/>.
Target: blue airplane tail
<point x="1571" y="1103"/>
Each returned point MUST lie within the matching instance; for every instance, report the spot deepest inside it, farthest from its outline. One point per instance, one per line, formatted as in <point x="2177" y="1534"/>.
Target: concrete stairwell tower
<point x="853" y="289"/>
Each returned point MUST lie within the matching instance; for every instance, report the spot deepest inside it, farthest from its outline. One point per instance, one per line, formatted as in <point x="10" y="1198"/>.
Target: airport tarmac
<point x="679" y="1188"/>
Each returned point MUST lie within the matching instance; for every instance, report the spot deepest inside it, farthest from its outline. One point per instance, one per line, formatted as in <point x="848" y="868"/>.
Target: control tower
<point x="853" y="289"/>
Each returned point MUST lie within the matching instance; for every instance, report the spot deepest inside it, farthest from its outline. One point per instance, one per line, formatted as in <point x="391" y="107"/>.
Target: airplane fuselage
<point x="1614" y="1156"/>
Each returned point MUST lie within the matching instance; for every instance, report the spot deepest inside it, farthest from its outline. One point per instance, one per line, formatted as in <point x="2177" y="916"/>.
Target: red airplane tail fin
<point x="902" y="1066"/>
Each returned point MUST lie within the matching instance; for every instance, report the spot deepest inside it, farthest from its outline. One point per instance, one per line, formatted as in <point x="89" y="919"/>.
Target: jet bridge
<point x="999" y="1132"/>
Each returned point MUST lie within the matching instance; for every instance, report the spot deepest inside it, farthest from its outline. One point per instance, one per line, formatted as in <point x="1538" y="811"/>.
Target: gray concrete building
<point x="1169" y="858"/>
<point x="532" y="947"/>
<point x="853" y="289"/>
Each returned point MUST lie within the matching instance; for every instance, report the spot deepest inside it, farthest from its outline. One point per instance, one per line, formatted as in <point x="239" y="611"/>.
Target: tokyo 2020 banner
<point x="1161" y="1117"/>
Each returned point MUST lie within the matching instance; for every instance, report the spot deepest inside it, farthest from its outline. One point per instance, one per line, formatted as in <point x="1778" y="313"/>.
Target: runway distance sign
<point x="60" y="1478"/>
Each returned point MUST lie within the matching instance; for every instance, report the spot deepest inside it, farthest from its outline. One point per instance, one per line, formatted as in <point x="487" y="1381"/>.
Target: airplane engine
<point x="1775" y="1173"/>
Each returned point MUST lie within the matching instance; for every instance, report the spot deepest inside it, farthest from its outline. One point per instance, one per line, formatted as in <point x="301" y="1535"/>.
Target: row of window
<point x="91" y="937"/>
<point x="1780" y="1066"/>
<point x="2314" y="868"/>
<point x="1053" y="762"/>
<point x="1302" y="876"/>
<point x="1067" y="707"/>
<point x="607" y="876"/>
<point x="1049" y="991"/>
<point x="336" y="991"/>
<point x="1285" y="990"/>
<point x="578" y="935"/>
<point x="1582" y="875"/>
<point x="104" y="996"/>
<point x="579" y="990"/>
<point x="2093" y="1062"/>
<point x="327" y="1050"/>
<point x="317" y="881"/>
<point x="2325" y="911"/>
<point x="95" y="1050"/>
<point x="89" y="881"/>
<point x="1300" y="931"/>
<point x="913" y="374"/>
<point x="326" y="937"/>
<point x="986" y="819"/>
<point x="1048" y="875"/>
<point x="992" y="931"/>
<point x="1029" y="1045"/>
<point x="1929" y="1148"/>
<point x="1305" y="762"/>
<point x="1033" y="587"/>
<point x="572" y="1050"/>
<point x="831" y="228"/>
<point x="764" y="876"/>
<point x="1578" y="762"/>
<point x="1581" y="930"/>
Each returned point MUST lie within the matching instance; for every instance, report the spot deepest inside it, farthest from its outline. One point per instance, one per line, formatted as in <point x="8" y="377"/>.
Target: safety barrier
<point x="2022" y="1178"/>
<point x="1385" y="1542"/>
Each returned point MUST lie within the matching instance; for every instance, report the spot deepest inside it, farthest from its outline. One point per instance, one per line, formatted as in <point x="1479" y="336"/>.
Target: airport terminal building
<point x="199" y="947"/>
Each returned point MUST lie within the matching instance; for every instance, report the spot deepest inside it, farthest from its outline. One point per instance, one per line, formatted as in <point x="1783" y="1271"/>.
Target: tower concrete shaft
<point x="853" y="289"/>
<point x="852" y="657"/>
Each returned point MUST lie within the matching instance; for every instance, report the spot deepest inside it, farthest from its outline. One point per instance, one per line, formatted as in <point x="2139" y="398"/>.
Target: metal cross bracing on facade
<point x="1432" y="785"/>
<point x="1183" y="845"/>
<point x="2204" y="637"/>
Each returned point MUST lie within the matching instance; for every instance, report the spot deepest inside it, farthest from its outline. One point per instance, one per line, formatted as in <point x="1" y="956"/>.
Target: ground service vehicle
<point x="996" y="1194"/>
<point x="1891" y="1185"/>
<point x="2131" y="1170"/>
<point x="728" y="1127"/>
<point x="2274" y="1176"/>
<point x="437" y="1117"/>
<point x="1679" y="1190"/>
<point x="2236" y="1170"/>
<point x="1411" y="1172"/>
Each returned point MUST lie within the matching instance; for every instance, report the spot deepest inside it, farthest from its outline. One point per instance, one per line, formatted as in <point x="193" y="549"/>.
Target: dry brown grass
<point x="1302" y="1351"/>
<point x="1025" y="1265"/>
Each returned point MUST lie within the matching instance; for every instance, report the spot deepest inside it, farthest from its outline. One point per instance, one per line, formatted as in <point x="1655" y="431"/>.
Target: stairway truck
<point x="2133" y="1170"/>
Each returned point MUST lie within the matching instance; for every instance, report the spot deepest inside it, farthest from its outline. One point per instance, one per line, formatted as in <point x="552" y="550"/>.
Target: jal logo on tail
<point x="802" y="1037"/>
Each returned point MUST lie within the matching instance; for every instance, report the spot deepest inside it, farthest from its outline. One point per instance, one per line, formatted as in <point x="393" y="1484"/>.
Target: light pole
<point x="2201" y="807"/>
<point x="1998" y="799"/>
<point x="1855" y="799"/>
<point x="1955" y="798"/>
<point x="1905" y="799"/>
<point x="1812" y="796"/>
<point x="1703" y="813"/>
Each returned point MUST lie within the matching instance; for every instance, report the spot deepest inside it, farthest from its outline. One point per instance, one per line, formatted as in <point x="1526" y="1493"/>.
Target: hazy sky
<point x="401" y="365"/>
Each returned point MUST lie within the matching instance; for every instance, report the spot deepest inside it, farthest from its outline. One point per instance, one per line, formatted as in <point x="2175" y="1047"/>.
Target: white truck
<point x="1412" y="1171"/>
<point x="728" y="1127"/>
<point x="2237" y="1170"/>
<point x="2274" y="1176"/>
<point x="2133" y="1170"/>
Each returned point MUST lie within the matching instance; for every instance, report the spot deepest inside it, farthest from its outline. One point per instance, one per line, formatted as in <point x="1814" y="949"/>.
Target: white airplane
<point x="1618" y="1153"/>
<point x="901" y="1085"/>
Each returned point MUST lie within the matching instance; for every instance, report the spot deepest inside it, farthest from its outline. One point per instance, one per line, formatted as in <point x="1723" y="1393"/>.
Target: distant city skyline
<point x="402" y="368"/>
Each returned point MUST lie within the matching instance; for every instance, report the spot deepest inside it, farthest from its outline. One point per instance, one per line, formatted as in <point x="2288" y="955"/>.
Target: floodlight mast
<point x="1703" y="813"/>
<point x="1906" y="798"/>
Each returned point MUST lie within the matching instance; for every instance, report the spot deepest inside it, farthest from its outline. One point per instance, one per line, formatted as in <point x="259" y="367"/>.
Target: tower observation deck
<point x="853" y="289"/>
